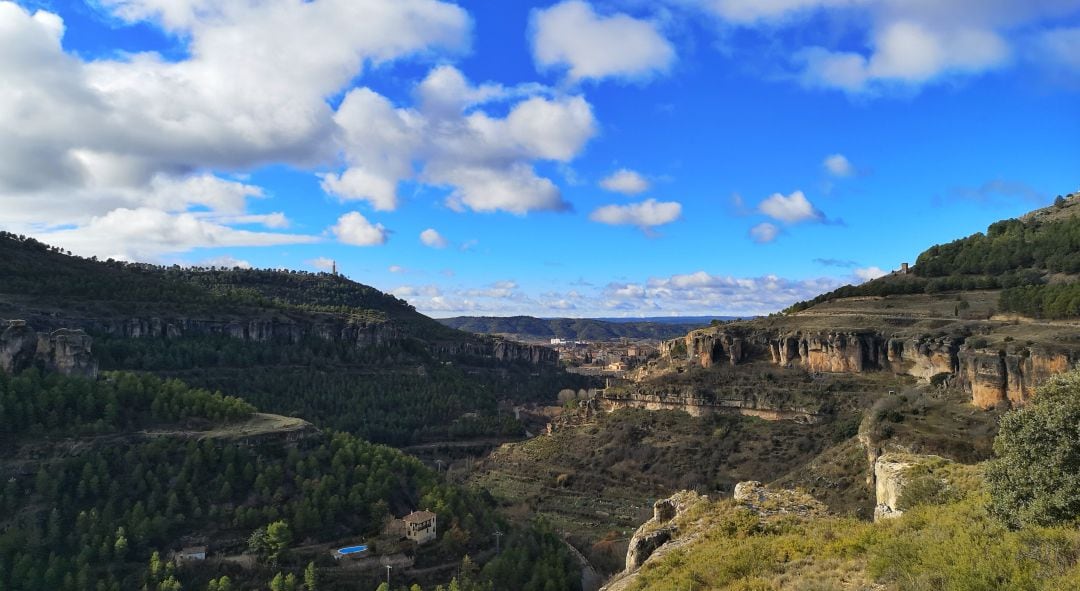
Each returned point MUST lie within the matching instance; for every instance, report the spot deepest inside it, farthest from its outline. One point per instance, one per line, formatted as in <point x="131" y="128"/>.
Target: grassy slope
<point x="951" y="546"/>
<point x="598" y="481"/>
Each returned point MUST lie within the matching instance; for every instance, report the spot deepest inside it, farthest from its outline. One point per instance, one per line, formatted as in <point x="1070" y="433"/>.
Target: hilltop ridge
<point x="994" y="314"/>
<point x="319" y="346"/>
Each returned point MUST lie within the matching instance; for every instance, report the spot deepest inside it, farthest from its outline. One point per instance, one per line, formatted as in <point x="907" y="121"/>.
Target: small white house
<point x="420" y="526"/>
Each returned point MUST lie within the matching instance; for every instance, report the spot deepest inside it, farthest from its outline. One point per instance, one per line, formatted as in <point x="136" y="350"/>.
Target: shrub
<point x="1035" y="479"/>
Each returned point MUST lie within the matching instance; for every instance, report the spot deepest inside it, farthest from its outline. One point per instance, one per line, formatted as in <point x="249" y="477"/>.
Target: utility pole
<point x="498" y="542"/>
<point x="388" y="567"/>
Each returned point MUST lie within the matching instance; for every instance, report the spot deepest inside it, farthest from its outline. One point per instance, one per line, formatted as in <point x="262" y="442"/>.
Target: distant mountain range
<point x="581" y="329"/>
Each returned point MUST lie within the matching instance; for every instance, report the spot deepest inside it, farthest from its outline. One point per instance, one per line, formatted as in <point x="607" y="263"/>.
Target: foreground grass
<point x="954" y="546"/>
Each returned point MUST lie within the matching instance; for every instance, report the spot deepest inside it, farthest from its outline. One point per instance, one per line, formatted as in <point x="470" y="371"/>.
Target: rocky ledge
<point x="664" y="533"/>
<point x="992" y="376"/>
<point x="655" y="537"/>
<point x="63" y="350"/>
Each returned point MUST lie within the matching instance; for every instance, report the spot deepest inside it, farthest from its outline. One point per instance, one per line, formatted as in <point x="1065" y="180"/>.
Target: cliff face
<point x="501" y="350"/>
<point x="279" y="329"/>
<point x="991" y="377"/>
<point x="64" y="351"/>
<point x="696" y="404"/>
<point x="672" y="527"/>
<point x="889" y="480"/>
<point x="994" y="378"/>
<point x="655" y="536"/>
<point x="287" y="329"/>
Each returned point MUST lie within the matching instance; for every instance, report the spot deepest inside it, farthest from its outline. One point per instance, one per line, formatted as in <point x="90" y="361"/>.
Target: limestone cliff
<point x="292" y="328"/>
<point x="697" y="403"/>
<point x="675" y="525"/>
<point x="653" y="537"/>
<point x="996" y="377"/>
<point x="889" y="479"/>
<point x="991" y="376"/>
<point x="895" y="472"/>
<point x="64" y="351"/>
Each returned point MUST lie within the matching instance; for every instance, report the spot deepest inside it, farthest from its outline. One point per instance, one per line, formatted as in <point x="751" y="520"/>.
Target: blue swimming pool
<point x="352" y="549"/>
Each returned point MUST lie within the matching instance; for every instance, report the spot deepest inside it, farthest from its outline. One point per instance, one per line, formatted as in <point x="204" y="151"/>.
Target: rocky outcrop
<point x="292" y="329"/>
<point x="533" y="354"/>
<point x="18" y="344"/>
<point x="276" y="329"/>
<point x="766" y="502"/>
<point x="889" y="479"/>
<point x="694" y="404"/>
<point x="673" y="526"/>
<point x="655" y="535"/>
<point x="63" y="350"/>
<point x="499" y="349"/>
<point x="895" y="471"/>
<point x="709" y="347"/>
<point x="67" y="352"/>
<point x="992" y="377"/>
<point x="830" y="352"/>
<point x="998" y="377"/>
<point x="923" y="358"/>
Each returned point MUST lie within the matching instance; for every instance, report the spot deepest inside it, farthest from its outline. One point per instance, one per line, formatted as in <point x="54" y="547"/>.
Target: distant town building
<point x="558" y="342"/>
<point x="420" y="526"/>
<point x="191" y="554"/>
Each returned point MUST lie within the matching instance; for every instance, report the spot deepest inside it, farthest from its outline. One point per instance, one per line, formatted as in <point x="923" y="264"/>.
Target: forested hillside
<point x="92" y="516"/>
<point x="1034" y="259"/>
<point x="29" y="267"/>
<point x="315" y="345"/>
<point x="574" y="329"/>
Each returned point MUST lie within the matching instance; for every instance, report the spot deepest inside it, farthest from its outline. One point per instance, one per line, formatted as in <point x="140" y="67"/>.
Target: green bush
<point x="1035" y="479"/>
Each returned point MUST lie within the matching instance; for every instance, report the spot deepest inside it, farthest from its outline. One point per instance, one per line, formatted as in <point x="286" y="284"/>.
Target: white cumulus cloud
<point x="764" y="233"/>
<point x="590" y="46"/>
<point x="129" y="234"/>
<point x="85" y="142"/>
<point x="353" y="228"/>
<point x="321" y="263"/>
<point x="432" y="238"/>
<point x="645" y="215"/>
<point x="838" y="165"/>
<point x="900" y="44"/>
<point x="486" y="161"/>
<point x="791" y="209"/>
<point x="224" y="262"/>
<point x="868" y="273"/>
<point x="625" y="181"/>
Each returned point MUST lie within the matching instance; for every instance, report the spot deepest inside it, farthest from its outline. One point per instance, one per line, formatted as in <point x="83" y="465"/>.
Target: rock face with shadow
<point x="655" y="536"/>
<point x="62" y="350"/>
<point x="1006" y="375"/>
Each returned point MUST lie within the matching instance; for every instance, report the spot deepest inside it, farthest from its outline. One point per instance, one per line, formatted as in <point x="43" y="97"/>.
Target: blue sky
<point x="622" y="158"/>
